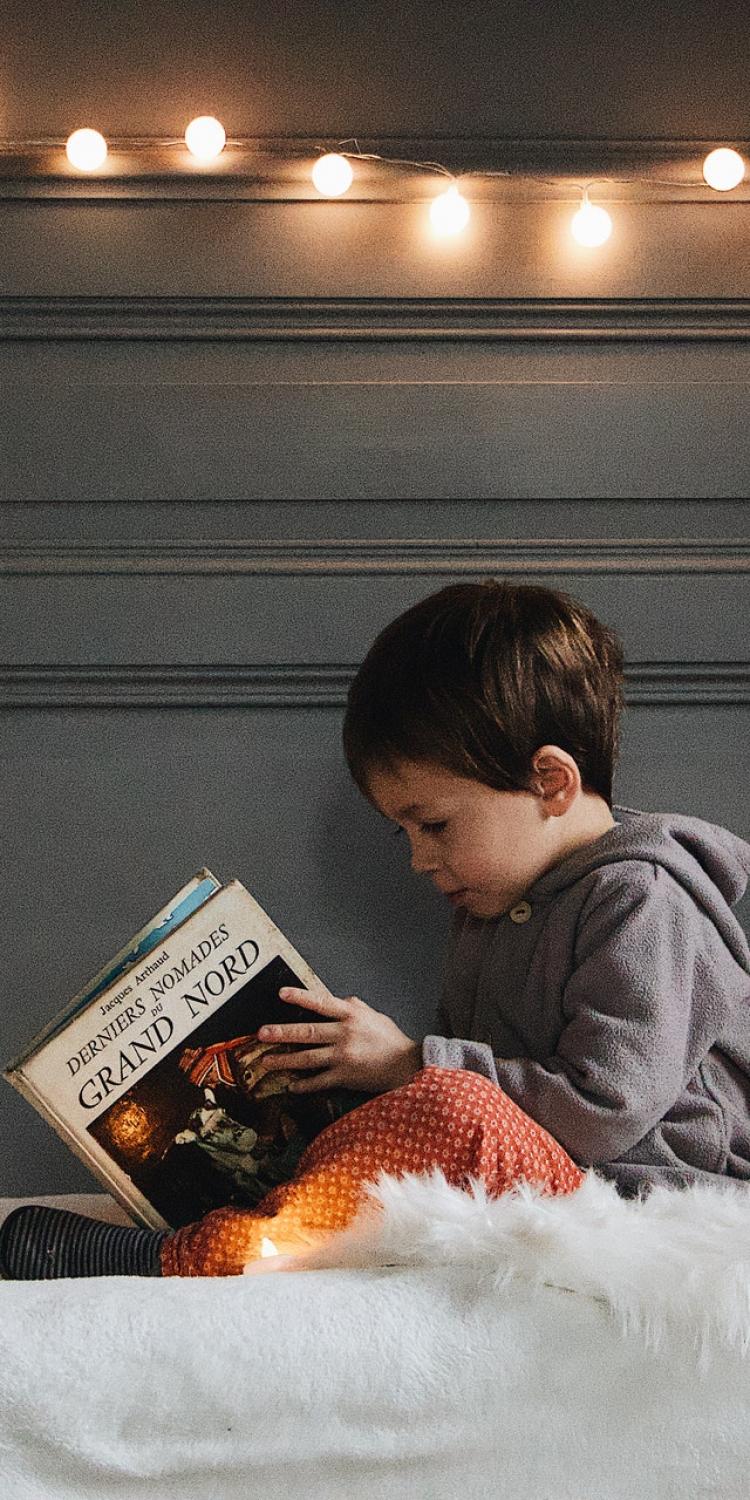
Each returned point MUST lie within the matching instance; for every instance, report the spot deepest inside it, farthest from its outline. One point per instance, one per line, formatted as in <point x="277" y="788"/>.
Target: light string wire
<point x="16" y="147"/>
<point x="548" y="181"/>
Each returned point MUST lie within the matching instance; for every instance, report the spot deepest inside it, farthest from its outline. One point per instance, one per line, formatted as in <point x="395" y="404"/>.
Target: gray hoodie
<point x="613" y="1002"/>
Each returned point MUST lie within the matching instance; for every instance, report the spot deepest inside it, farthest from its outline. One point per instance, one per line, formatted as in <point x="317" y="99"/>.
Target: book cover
<point x="155" y="1082"/>
<point x="170" y="916"/>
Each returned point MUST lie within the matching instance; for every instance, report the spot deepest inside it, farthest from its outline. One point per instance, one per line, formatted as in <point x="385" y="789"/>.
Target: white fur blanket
<point x="580" y="1348"/>
<point x="677" y="1260"/>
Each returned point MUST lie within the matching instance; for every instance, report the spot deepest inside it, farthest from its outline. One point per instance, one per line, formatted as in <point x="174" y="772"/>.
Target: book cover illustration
<point x="158" y="1086"/>
<point x="205" y="1127"/>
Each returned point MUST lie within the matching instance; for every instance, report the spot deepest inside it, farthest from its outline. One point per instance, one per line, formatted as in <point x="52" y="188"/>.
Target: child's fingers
<point x="325" y="1005"/>
<point x="280" y="1061"/>
<point x="309" y="1085"/>
<point x="300" y="1031"/>
<point x="322" y="1001"/>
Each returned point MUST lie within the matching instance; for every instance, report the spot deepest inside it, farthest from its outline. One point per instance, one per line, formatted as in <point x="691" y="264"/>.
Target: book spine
<point x="188" y="900"/>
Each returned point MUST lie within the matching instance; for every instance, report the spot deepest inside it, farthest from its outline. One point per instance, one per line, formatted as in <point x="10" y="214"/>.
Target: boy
<point x="596" y="979"/>
<point x="595" y="971"/>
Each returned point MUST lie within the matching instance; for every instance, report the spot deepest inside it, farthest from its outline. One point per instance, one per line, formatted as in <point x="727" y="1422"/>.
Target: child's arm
<point x="640" y="1013"/>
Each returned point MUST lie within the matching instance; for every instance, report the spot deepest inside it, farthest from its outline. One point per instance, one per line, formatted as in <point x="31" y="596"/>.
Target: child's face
<point x="488" y="846"/>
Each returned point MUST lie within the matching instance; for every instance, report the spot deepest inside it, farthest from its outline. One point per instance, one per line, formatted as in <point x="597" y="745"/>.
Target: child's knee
<point x="459" y="1089"/>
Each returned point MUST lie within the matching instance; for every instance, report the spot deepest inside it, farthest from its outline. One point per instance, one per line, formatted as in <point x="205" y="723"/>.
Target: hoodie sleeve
<point x="630" y="1038"/>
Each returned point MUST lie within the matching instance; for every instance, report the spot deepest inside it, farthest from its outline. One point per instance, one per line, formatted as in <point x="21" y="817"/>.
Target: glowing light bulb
<point x="449" y="212"/>
<point x="86" y="150"/>
<point x="723" y="169"/>
<point x="332" y="175"/>
<point x="205" y="137"/>
<point x="592" y="225"/>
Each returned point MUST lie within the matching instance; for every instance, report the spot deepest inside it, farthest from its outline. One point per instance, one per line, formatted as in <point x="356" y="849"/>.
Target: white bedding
<point x="463" y="1374"/>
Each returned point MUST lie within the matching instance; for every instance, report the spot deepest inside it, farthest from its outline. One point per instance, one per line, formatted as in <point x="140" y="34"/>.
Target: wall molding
<point x="678" y="684"/>
<point x="263" y="168"/>
<point x="368" y="557"/>
<point x="386" y="318"/>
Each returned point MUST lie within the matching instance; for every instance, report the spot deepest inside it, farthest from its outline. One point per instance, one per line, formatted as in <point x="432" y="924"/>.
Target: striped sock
<point x="39" y="1244"/>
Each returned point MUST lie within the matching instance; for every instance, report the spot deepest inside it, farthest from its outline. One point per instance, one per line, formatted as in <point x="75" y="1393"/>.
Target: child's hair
<point x="476" y="677"/>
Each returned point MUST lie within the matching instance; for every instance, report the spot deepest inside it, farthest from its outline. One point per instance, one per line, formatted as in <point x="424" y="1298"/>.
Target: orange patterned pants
<point x="444" y="1117"/>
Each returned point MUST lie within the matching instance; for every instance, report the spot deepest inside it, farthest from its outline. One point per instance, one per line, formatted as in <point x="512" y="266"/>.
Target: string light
<point x="592" y="225"/>
<point x="86" y="150"/>
<point x="332" y="175"/>
<point x="723" y="169"/>
<point x="449" y="212"/>
<point x="205" y="138"/>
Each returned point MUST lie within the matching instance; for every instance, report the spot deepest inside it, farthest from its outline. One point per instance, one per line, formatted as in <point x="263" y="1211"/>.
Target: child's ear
<point x="555" y="775"/>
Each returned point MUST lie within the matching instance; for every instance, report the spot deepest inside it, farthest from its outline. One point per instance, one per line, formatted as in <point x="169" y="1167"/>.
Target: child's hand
<point x="359" y="1048"/>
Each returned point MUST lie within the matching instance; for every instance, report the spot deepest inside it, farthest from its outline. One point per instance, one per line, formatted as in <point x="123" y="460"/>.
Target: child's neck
<point x="586" y="822"/>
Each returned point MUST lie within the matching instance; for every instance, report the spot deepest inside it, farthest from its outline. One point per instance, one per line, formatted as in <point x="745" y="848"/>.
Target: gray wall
<point x="240" y="431"/>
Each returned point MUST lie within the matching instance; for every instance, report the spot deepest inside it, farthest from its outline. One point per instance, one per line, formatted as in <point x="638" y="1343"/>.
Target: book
<point x="152" y="1074"/>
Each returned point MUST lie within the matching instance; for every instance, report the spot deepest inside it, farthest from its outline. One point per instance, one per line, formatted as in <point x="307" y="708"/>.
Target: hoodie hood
<point x="710" y="862"/>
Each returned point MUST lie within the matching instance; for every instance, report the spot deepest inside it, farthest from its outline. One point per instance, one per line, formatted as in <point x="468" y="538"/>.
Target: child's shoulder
<point x="641" y="903"/>
<point x="626" y="881"/>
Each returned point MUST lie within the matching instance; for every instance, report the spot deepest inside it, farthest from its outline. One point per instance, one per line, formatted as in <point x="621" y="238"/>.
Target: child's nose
<point x="423" y="864"/>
